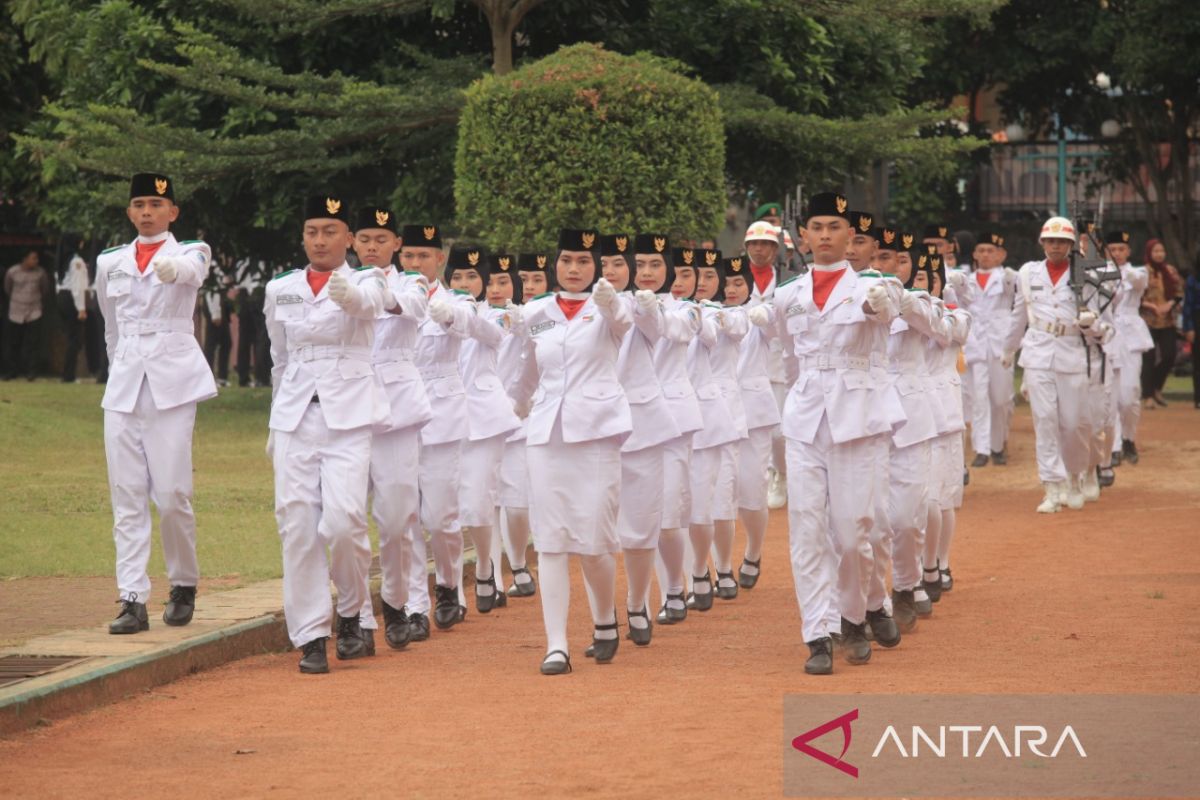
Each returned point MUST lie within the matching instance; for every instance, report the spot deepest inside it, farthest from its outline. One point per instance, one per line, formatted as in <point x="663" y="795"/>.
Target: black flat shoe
<point x="350" y="642"/>
<point x="639" y="636"/>
<point x="855" y="647"/>
<point x="556" y="667"/>
<point x="904" y="610"/>
<point x="980" y="460"/>
<point x="1000" y="459"/>
<point x="484" y="603"/>
<point x="446" y="613"/>
<point x="726" y="592"/>
<point x="820" y="657"/>
<point x="522" y="589"/>
<point x="313" y="660"/>
<point x="745" y="579"/>
<point x="1116" y="458"/>
<point x="397" y="628"/>
<point x="933" y="588"/>
<point x="418" y="625"/>
<point x="924" y="607"/>
<point x="883" y="628"/>
<point x="702" y="601"/>
<point x="1105" y="477"/>
<point x="603" y="650"/>
<point x="947" y="579"/>
<point x="671" y="616"/>
<point x="368" y="637"/>
<point x="131" y="619"/>
<point x="1130" y="451"/>
<point x="181" y="604"/>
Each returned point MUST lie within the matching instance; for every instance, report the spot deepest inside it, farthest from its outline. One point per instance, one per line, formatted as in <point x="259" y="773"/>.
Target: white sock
<point x="701" y="537"/>
<point x="755" y="523"/>
<point x="517" y="520"/>
<point x="639" y="564"/>
<point x="497" y="557"/>
<point x="671" y="571"/>
<point x="949" y="520"/>
<point x="555" y="576"/>
<point x="600" y="577"/>
<point x="723" y="530"/>
<point x="933" y="534"/>
<point x="481" y="536"/>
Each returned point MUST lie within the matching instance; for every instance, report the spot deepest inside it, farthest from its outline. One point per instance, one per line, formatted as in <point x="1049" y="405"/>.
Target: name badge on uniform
<point x="118" y="283"/>
<point x="288" y="299"/>
<point x="289" y="307"/>
<point x="1037" y="287"/>
<point x="540" y="327"/>
<point x="793" y="310"/>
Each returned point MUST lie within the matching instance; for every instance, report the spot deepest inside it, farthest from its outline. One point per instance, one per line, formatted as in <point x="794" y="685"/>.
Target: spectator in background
<point x="1191" y="310"/>
<point x="1163" y="291"/>
<point x="72" y="308"/>
<point x="252" y="277"/>
<point x="218" y="310"/>
<point x="26" y="285"/>
<point x="95" y="347"/>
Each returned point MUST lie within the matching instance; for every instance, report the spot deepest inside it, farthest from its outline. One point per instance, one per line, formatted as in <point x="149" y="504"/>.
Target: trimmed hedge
<point x="585" y="137"/>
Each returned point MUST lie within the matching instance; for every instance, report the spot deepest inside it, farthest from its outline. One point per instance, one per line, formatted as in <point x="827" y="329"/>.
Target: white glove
<point x="516" y="319"/>
<point x="906" y="302"/>
<point x="1086" y="319"/>
<point x="440" y="312"/>
<point x="877" y="299"/>
<point x="166" y="269"/>
<point x="604" y="294"/>
<point x="646" y="299"/>
<point x="390" y="303"/>
<point x="956" y="278"/>
<point x="759" y="316"/>
<point x="340" y="289"/>
<point x="1006" y="360"/>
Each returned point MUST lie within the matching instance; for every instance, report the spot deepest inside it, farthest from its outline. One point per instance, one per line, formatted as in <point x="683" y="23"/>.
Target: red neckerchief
<point x="570" y="307"/>
<point x="981" y="277"/>
<point x="145" y="252"/>
<point x="823" y="283"/>
<point x="317" y="280"/>
<point x="1057" y="271"/>
<point x="762" y="276"/>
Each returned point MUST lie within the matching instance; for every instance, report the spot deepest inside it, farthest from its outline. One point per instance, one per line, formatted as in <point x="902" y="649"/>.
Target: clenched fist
<point x="604" y="294"/>
<point x="166" y="269"/>
<point x="340" y="290"/>
<point x="877" y="299"/>
<point x="759" y="316"/>
<point x="440" y="312"/>
<point x="646" y="299"/>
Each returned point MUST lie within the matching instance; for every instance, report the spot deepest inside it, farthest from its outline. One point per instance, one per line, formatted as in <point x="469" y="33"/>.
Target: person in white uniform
<point x="395" y="445"/>
<point x="1050" y="328"/>
<point x="490" y="418"/>
<point x="578" y="420"/>
<point x="1131" y="340"/>
<point x="325" y="402"/>
<point x="146" y="291"/>
<point x="832" y="320"/>
<point x="639" y="518"/>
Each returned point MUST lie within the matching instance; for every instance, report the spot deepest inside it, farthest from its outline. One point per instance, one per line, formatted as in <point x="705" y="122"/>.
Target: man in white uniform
<point x="1131" y="341"/>
<point x="147" y="292"/>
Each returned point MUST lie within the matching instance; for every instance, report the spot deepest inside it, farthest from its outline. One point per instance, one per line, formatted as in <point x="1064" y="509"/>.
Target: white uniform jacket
<point x="653" y="422"/>
<point x="1045" y="328"/>
<point x="720" y="426"/>
<point x="1132" y="331"/>
<point x="775" y="370"/>
<point x="681" y="324"/>
<point x="395" y="349"/>
<point x="991" y="314"/>
<point x="489" y="408"/>
<point x="438" y="348"/>
<point x="908" y="368"/>
<point x="732" y="327"/>
<point x="759" y="347"/>
<point x="950" y="334"/>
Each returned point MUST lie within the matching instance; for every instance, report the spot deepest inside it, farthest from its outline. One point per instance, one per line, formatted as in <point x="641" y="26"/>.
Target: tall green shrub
<point x="589" y="137"/>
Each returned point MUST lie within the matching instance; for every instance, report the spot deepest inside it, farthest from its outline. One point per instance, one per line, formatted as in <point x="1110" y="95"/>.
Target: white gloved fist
<point x="339" y="288"/>
<point x="646" y="299"/>
<point x="877" y="298"/>
<point x="604" y="294"/>
<point x="1086" y="319"/>
<point x="516" y="319"/>
<point x="759" y="316"/>
<point x="956" y="278"/>
<point x="1007" y="359"/>
<point x="440" y="312"/>
<point x="390" y="302"/>
<point x="166" y="269"/>
<point x="906" y="302"/>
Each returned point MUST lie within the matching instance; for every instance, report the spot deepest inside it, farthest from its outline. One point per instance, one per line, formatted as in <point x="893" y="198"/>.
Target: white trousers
<point x="881" y="530"/>
<point x="1127" y="386"/>
<point x="778" y="442"/>
<point x="946" y="471"/>
<point x="395" y="507"/>
<point x="908" y="501"/>
<point x="754" y="457"/>
<point x="991" y="406"/>
<point x="639" y="517"/>
<point x="321" y="501"/>
<point x="831" y="510"/>
<point x="714" y="483"/>
<point x="1102" y="411"/>
<point x="149" y="454"/>
<point x="1061" y="424"/>
<point x="479" y="481"/>
<point x="437" y="478"/>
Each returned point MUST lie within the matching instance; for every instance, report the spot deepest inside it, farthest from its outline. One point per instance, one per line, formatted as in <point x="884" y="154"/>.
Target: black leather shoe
<point x="820" y="657"/>
<point x="556" y="667"/>
<point x="966" y="477"/>
<point x="670" y="616"/>
<point x="132" y="617"/>
<point x="368" y="637"/>
<point x="1116" y="458"/>
<point x="933" y="588"/>
<point x="397" y="629"/>
<point x="702" y="601"/>
<point x="1105" y="477"/>
<point x="924" y="607"/>
<point x="1130" y="451"/>
<point x="446" y="613"/>
<point x="1000" y="459"/>
<point x="980" y="460"/>
<point x="640" y="636"/>
<point x="485" y="603"/>
<point x="883" y="628"/>
<point x="603" y="650"/>
<point x="312" y="657"/>
<point x="904" y="610"/>
<point x="855" y="647"/>
<point x="745" y="579"/>
<point x="947" y="580"/>
<point x="522" y="589"/>
<point x="350" y="644"/>
<point x="181" y="604"/>
<point x="418" y="626"/>
<point x="726" y="592"/>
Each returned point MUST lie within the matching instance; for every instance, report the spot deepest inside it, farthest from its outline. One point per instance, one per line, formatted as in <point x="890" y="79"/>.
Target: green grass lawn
<point x="55" y="517"/>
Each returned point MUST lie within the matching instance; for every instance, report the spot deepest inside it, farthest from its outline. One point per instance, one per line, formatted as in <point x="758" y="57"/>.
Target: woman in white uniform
<point x="578" y="421"/>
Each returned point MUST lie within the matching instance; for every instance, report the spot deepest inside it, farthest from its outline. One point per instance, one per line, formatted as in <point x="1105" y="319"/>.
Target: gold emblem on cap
<point x="996" y="239"/>
<point x="660" y="242"/>
<point x="710" y="257"/>
<point x="381" y="218"/>
<point x="841" y="204"/>
<point x="1000" y="241"/>
<point x="1124" y="236"/>
<point x="541" y="262"/>
<point x="908" y="241"/>
<point x="622" y="243"/>
<point x="473" y="257"/>
<point x="1055" y="226"/>
<point x="889" y="236"/>
<point x="588" y="239"/>
<point x="504" y="262"/>
<point x="688" y="255"/>
<point x="942" y="232"/>
<point x="735" y="264"/>
<point x="333" y="206"/>
<point x="160" y="185"/>
<point x="864" y="224"/>
<point x="429" y="232"/>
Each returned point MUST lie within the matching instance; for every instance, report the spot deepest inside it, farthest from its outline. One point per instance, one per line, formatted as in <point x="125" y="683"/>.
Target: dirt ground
<point x="1099" y="600"/>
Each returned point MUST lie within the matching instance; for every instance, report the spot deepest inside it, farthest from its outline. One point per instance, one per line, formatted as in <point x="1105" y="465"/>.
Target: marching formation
<point x="624" y="396"/>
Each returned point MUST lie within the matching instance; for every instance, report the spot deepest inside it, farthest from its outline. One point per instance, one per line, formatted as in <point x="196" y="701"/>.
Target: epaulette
<point x="360" y="269"/>
<point x="687" y="300"/>
<point x="112" y="249"/>
<point x="544" y="294"/>
<point x="461" y="291"/>
<point x="192" y="241"/>
<point x="870" y="273"/>
<point x="282" y="274"/>
<point x="886" y="275"/>
<point x="413" y="272"/>
<point x="789" y="280"/>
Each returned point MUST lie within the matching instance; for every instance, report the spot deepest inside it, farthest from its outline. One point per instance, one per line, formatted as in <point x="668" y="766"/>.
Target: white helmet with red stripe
<point x="762" y="231"/>
<point x="1058" y="228"/>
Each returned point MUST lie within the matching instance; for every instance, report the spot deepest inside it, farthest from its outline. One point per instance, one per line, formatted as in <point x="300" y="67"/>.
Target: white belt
<point x="1055" y="328"/>
<point x="434" y="371"/>
<point x="392" y="354"/>
<point x="834" y="362"/>
<point x="137" y="327"/>
<point x="314" y="352"/>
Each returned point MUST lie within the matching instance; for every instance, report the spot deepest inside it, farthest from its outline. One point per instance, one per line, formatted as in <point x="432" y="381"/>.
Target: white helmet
<point x="1058" y="228"/>
<point x="787" y="240"/>
<point x="762" y="231"/>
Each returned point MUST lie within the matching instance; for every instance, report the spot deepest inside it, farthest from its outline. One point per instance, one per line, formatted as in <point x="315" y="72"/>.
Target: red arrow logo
<point x="801" y="743"/>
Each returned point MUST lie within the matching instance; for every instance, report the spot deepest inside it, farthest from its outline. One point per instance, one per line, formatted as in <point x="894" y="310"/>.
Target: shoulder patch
<point x="543" y="294"/>
<point x="361" y="269"/>
<point x="460" y="291"/>
<point x="789" y="280"/>
<point x="192" y="241"/>
<point x="871" y="273"/>
<point x="113" y="249"/>
<point x="413" y="272"/>
<point x="282" y="274"/>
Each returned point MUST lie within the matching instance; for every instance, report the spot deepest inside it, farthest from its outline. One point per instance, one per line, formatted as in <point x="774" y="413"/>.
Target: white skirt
<point x="639" y="519"/>
<point x="947" y="471"/>
<point x="514" y="476"/>
<point x="714" y="483"/>
<point x="574" y="491"/>
<point x="479" y="474"/>
<point x="677" y="487"/>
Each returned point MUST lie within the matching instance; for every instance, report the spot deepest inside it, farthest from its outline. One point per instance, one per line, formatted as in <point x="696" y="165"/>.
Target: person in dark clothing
<point x="27" y="287"/>
<point x="1163" y="291"/>
<point x="1191" y="310"/>
<point x="252" y="277"/>
<point x="218" y="311"/>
